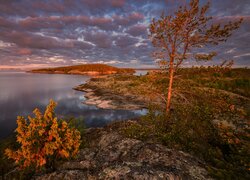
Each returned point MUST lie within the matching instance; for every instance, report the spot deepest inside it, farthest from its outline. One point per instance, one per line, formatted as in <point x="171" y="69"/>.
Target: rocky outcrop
<point x="112" y="156"/>
<point x="100" y="92"/>
<point x="106" y="99"/>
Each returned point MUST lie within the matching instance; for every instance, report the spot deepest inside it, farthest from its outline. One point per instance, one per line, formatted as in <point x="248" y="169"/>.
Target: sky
<point x="49" y="33"/>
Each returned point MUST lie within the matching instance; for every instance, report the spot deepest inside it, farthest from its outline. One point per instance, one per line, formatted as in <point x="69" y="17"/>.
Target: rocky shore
<point x="112" y="156"/>
<point x="105" y="98"/>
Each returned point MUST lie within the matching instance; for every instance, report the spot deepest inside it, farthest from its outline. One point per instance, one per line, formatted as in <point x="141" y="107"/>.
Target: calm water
<point x="21" y="92"/>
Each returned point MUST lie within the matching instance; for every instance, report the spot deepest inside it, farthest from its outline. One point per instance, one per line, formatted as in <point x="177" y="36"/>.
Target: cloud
<point x="4" y="23"/>
<point x="52" y="6"/>
<point x="125" y="41"/>
<point x="39" y="41"/>
<point x="58" y="22"/>
<point x="97" y="4"/>
<point x="137" y="30"/>
<point x="24" y="39"/>
<point x="118" y="3"/>
<point x="128" y="19"/>
<point x="100" y="39"/>
<point x="68" y="32"/>
<point x="24" y="51"/>
<point x="242" y="55"/>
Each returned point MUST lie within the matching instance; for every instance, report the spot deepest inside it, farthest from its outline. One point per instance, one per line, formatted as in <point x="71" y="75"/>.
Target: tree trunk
<point x="171" y="77"/>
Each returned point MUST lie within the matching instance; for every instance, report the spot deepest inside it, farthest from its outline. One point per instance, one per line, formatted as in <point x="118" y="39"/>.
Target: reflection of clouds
<point x="141" y="112"/>
<point x="13" y="85"/>
<point x="140" y="72"/>
<point x="82" y="98"/>
<point x="21" y="93"/>
<point x="102" y="117"/>
<point x="93" y="116"/>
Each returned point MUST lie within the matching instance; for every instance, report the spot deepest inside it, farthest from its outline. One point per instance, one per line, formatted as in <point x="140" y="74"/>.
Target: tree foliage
<point x="43" y="139"/>
<point x="177" y="36"/>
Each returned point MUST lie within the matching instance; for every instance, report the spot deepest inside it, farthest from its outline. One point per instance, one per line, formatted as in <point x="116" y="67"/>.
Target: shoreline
<point x="87" y="73"/>
<point x="105" y="99"/>
<point x="101" y="95"/>
<point x="84" y="69"/>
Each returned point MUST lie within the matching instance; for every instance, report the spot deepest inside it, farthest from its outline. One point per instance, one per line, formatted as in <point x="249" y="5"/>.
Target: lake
<point x="21" y="93"/>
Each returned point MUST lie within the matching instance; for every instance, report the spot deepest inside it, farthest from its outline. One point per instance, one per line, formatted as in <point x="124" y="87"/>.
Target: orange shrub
<point x="44" y="139"/>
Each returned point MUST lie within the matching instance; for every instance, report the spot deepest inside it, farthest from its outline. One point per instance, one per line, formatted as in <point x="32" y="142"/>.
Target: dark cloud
<point x="4" y="23"/>
<point x="118" y="3"/>
<point x="52" y="6"/>
<point x="229" y="7"/>
<point x="97" y="4"/>
<point x="100" y="39"/>
<point x="24" y="51"/>
<point x="59" y="22"/>
<point x="65" y="32"/>
<point x="39" y="41"/>
<point x="125" y="41"/>
<point x="128" y="19"/>
<point x="25" y="39"/>
<point x="137" y="30"/>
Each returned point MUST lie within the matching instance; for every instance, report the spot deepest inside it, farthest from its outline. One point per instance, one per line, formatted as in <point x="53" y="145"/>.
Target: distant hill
<point x="88" y="69"/>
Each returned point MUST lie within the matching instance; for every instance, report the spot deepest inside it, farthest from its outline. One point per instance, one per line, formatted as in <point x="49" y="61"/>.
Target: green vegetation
<point x="209" y="117"/>
<point x="224" y="149"/>
<point x="85" y="69"/>
<point x="203" y="111"/>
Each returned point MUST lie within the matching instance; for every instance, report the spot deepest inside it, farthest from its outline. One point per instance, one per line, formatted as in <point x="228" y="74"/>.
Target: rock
<point x="106" y="99"/>
<point x="65" y="175"/>
<point x="112" y="156"/>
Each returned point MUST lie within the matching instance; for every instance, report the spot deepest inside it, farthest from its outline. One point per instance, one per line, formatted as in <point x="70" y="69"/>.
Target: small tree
<point x="44" y="139"/>
<point x="188" y="28"/>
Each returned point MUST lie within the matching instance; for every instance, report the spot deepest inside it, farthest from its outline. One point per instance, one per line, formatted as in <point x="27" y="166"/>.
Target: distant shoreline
<point x="87" y="73"/>
<point x="86" y="69"/>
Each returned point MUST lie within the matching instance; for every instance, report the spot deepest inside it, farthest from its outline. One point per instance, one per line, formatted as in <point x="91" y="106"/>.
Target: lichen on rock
<point x="112" y="156"/>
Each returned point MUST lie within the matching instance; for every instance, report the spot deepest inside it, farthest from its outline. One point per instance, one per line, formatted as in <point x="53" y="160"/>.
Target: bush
<point x="191" y="129"/>
<point x="43" y="140"/>
<point x="6" y="164"/>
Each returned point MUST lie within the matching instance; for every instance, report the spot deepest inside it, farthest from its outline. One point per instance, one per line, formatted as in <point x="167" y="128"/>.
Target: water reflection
<point x="141" y="72"/>
<point x="20" y="93"/>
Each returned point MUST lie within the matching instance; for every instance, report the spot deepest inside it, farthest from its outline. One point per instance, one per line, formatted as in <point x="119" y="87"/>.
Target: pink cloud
<point x="117" y="3"/>
<point x="24" y="51"/>
<point x="138" y="29"/>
